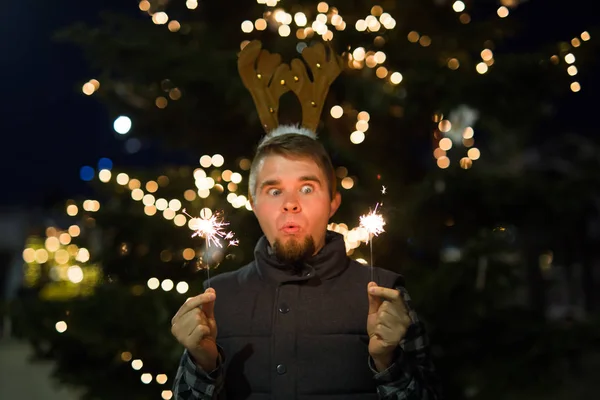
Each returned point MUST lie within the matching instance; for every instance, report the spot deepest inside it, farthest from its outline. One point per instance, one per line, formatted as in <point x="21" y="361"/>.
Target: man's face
<point x="293" y="205"/>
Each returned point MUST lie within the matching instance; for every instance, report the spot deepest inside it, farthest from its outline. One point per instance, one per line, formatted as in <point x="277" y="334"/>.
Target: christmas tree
<point x="452" y="114"/>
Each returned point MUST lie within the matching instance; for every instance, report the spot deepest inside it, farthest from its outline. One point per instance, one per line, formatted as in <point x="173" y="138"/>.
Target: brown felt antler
<point x="268" y="79"/>
<point x="263" y="74"/>
<point x="312" y="94"/>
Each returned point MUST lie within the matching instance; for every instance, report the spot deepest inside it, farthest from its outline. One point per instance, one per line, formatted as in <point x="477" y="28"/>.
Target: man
<point x="301" y="321"/>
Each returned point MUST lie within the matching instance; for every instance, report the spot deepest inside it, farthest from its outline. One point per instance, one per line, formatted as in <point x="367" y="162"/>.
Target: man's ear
<point x="335" y="203"/>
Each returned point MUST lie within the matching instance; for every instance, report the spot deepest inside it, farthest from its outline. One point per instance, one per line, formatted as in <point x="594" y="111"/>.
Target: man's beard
<point x="293" y="251"/>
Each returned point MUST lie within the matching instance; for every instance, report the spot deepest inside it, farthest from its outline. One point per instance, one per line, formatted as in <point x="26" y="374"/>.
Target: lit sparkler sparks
<point x="212" y="230"/>
<point x="373" y="223"/>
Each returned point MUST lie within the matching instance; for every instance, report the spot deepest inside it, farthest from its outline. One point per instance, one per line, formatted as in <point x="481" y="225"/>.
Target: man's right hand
<point x="194" y="326"/>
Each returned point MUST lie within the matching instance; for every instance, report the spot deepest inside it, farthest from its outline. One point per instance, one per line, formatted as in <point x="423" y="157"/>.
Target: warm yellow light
<point x="153" y="283"/>
<point x="570" y="58"/>
<point x="361" y="25"/>
<point x="148" y="200"/>
<point x="585" y="36"/>
<point x="52" y="244"/>
<point x="175" y="205"/>
<point x="60" y="326"/>
<point x="161" y="102"/>
<point x="362" y="125"/>
<point x="474" y="153"/>
<point x="425" y="41"/>
<point x="358" y="54"/>
<point x="75" y="274"/>
<point x="381" y="72"/>
<point x="217" y="160"/>
<point x="376" y="10"/>
<point x="443" y="162"/>
<point x="144" y="5"/>
<point x="191" y="4"/>
<point x="575" y="42"/>
<point x="487" y="55"/>
<point x="464" y="18"/>
<point x="137" y="364"/>
<point x="444" y="125"/>
<point x="458" y="6"/>
<point x="180" y="220"/>
<point x="122" y="179"/>
<point x="357" y="137"/>
<point x="413" y="36"/>
<point x="575" y="87"/>
<point x="364" y="116"/>
<point x="572" y="70"/>
<point x="166" y="394"/>
<point x="466" y="163"/>
<point x="150" y="210"/>
<point x="453" y="64"/>
<point x="64" y="238"/>
<point x="134" y="184"/>
<point x="236" y="177"/>
<point x="83" y="255"/>
<point x="445" y="144"/>
<point x="88" y="88"/>
<point x="380" y="57"/>
<point x="337" y="112"/>
<point x="146" y="378"/>
<point x="168" y="214"/>
<point x="29" y="255"/>
<point x="161" y="204"/>
<point x="182" y="287"/>
<point x="247" y="26"/>
<point x="104" y="175"/>
<point x="167" y="285"/>
<point x="41" y="256"/>
<point x="137" y="194"/>
<point x="74" y="230"/>
<point x="161" y="379"/>
<point x="126" y="356"/>
<point x="260" y="24"/>
<point x="322" y="7"/>
<point x="437" y="153"/>
<point x="481" y="68"/>
<point x="174" y="26"/>
<point x="347" y="183"/>
<point x="396" y="78"/>
<point x="205" y="162"/>
<point x="72" y="210"/>
<point x="502" y="12"/>
<point x="468" y="133"/>
<point x="160" y="18"/>
<point x="284" y="30"/>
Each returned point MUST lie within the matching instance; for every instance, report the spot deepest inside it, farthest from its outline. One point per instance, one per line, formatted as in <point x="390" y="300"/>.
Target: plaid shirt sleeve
<point x="193" y="383"/>
<point x="412" y="376"/>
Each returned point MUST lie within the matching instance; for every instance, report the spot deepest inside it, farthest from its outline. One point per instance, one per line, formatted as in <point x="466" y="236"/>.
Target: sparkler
<point x="373" y="223"/>
<point x="213" y="230"/>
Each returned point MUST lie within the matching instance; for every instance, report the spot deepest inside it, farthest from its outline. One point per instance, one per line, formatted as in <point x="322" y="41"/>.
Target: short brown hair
<point x="294" y="145"/>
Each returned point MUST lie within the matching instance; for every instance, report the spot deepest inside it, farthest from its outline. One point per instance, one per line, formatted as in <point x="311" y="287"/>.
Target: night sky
<point x="49" y="129"/>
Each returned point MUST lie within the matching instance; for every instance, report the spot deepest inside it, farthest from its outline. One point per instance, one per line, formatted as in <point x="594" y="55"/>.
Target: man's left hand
<point x="387" y="323"/>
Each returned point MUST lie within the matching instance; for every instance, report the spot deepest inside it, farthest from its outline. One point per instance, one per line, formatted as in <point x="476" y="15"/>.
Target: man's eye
<point x="306" y="189"/>
<point x="274" y="192"/>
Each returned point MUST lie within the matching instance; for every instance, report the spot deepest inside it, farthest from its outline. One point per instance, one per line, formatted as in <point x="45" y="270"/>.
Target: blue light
<point x="105" y="163"/>
<point x="86" y="173"/>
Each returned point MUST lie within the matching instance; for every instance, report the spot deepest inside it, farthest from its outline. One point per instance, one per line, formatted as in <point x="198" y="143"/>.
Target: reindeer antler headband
<point x="267" y="79"/>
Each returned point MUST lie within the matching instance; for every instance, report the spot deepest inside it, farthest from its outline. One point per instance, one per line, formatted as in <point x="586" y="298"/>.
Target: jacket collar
<point x="329" y="262"/>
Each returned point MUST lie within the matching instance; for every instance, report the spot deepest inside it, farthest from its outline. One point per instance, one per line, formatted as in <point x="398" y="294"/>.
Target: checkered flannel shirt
<point x="411" y="377"/>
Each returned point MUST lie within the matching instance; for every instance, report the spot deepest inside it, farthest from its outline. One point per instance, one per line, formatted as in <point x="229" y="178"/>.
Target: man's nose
<point x="291" y="204"/>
